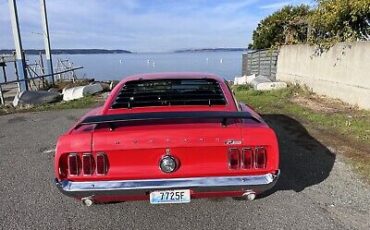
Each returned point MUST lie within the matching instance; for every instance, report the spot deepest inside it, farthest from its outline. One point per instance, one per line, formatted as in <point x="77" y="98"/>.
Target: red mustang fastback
<point x="167" y="138"/>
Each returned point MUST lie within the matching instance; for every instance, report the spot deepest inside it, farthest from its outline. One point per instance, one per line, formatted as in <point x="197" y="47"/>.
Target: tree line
<point x="325" y="24"/>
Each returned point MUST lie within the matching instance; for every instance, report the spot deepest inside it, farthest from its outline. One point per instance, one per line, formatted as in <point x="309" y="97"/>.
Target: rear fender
<point x="263" y="136"/>
<point x="70" y="143"/>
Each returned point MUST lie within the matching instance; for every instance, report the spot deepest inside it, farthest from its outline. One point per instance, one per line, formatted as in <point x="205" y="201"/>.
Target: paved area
<point x="317" y="190"/>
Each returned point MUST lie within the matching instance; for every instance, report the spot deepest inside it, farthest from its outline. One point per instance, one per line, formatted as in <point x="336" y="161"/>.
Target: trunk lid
<point x="134" y="151"/>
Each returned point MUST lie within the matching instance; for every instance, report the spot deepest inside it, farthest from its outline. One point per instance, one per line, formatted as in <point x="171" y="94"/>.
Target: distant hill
<point x="210" y="50"/>
<point x="69" y="51"/>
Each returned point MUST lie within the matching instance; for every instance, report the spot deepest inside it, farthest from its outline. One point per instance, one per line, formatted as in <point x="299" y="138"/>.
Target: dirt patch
<point x="322" y="104"/>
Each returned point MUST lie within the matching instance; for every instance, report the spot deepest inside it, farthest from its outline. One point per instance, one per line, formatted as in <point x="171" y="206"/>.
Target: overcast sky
<point x="139" y="25"/>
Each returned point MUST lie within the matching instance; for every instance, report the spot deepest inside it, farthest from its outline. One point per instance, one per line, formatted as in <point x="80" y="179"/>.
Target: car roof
<point x="173" y="75"/>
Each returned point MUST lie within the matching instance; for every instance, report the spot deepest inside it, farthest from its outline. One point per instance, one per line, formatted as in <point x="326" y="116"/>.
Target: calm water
<point x="117" y="66"/>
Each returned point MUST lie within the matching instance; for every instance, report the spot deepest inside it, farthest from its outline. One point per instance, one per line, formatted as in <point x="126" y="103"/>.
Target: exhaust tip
<point x="87" y="201"/>
<point x="250" y="195"/>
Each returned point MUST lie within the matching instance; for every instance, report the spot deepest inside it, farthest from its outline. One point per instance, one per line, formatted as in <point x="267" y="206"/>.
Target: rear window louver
<point x="169" y="92"/>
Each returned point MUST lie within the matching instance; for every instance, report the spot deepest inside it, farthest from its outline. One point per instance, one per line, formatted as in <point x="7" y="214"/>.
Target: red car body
<point x="222" y="148"/>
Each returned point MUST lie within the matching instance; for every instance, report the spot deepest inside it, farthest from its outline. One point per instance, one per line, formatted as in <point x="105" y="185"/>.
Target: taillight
<point x="260" y="157"/>
<point x="87" y="164"/>
<point x="234" y="158"/>
<point x="247" y="158"/>
<point x="101" y="164"/>
<point x="73" y="164"/>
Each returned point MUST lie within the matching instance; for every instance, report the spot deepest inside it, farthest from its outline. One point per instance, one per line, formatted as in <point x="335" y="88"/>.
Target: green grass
<point x="85" y="102"/>
<point x="355" y="123"/>
<point x="351" y="124"/>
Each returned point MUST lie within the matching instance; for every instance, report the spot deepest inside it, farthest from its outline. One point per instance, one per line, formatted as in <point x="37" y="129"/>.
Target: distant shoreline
<point x="69" y="51"/>
<point x="117" y="51"/>
<point x="211" y="50"/>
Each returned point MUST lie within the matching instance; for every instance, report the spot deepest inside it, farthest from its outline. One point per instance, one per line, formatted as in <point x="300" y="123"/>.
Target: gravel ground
<point x="317" y="190"/>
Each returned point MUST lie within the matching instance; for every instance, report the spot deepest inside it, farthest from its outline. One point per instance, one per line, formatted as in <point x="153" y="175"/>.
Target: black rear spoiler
<point x="109" y="119"/>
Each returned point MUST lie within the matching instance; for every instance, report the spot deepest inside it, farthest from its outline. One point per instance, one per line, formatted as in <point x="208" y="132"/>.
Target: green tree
<point x="286" y="26"/>
<point x="338" y="21"/>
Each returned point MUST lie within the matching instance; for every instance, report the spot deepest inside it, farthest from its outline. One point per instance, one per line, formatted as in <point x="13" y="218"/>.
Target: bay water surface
<point x="117" y="66"/>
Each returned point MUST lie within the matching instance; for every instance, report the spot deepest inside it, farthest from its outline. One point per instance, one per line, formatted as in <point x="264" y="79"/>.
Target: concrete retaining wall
<point x="343" y="72"/>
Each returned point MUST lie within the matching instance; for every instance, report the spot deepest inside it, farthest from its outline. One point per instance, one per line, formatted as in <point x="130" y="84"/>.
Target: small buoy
<point x="221" y="60"/>
<point x="120" y="61"/>
<point x="147" y="61"/>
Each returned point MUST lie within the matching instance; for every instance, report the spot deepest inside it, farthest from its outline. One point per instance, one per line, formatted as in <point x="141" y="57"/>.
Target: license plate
<point x="170" y="196"/>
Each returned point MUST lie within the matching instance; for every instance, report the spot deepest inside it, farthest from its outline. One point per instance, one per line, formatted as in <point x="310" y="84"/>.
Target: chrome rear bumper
<point x="257" y="183"/>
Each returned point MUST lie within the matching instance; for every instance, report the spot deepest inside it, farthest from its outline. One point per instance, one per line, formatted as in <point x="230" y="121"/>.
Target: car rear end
<point x="168" y="140"/>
